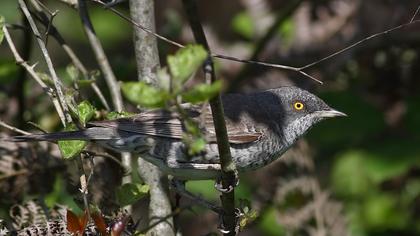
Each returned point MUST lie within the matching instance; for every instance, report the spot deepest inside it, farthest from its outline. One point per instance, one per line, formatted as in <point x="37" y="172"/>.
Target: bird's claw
<point x="219" y="186"/>
<point x="221" y="227"/>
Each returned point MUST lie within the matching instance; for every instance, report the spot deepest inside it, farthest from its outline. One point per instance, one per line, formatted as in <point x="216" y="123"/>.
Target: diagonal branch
<point x="31" y="71"/>
<point x="228" y="166"/>
<point x="52" y="30"/>
<point x="57" y="83"/>
<point x="101" y="58"/>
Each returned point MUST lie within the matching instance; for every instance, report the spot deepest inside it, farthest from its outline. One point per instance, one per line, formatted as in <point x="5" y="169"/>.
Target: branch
<point x="52" y="30"/>
<point x="147" y="61"/>
<point x="101" y="58"/>
<point x="227" y="165"/>
<point x="32" y="72"/>
<point x="57" y="83"/>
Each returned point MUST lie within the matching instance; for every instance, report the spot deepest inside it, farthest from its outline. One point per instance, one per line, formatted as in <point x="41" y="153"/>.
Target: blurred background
<point x="358" y="175"/>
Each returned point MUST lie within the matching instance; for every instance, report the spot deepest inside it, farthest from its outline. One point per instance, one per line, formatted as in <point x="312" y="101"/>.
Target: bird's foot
<point x="232" y="184"/>
<point x="221" y="226"/>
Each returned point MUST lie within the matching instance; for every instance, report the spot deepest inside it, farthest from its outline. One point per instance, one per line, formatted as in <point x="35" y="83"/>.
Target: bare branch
<point x="34" y="75"/>
<point x="57" y="83"/>
<point x="52" y="30"/>
<point x="14" y="129"/>
<point x="101" y="58"/>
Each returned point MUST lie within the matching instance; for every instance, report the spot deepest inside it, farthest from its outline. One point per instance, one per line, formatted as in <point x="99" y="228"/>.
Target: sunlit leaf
<point x="71" y="148"/>
<point x="196" y="146"/>
<point x="145" y="95"/>
<point x="115" y="115"/>
<point x="185" y="62"/>
<point x="202" y="92"/>
<point x="164" y="79"/>
<point x="85" y="111"/>
<point x="130" y="193"/>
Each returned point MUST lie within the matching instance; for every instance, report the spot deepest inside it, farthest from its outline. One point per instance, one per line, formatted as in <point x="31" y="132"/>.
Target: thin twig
<point x="31" y="71"/>
<point x="101" y="58"/>
<point x="57" y="83"/>
<point x="261" y="63"/>
<point x="227" y="165"/>
<point x="415" y="14"/>
<point x="357" y="43"/>
<point x="53" y="31"/>
<point x="14" y="129"/>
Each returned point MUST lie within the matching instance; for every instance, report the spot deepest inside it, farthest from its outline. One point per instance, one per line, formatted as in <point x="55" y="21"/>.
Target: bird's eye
<point x="298" y="106"/>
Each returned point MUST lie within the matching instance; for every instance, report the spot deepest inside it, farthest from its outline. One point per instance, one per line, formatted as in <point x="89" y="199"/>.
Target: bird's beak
<point x="330" y="113"/>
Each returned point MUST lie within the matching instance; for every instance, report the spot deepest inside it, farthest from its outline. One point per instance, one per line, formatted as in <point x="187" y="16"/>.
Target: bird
<point x="261" y="127"/>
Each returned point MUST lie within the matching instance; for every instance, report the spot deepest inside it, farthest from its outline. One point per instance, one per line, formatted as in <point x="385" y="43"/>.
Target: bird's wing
<point x="162" y="123"/>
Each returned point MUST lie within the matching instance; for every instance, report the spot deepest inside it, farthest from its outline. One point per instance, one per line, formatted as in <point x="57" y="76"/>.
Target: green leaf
<point x="129" y="193"/>
<point x="8" y="71"/>
<point x="243" y="25"/>
<point x="145" y="95"/>
<point x="71" y="148"/>
<point x="185" y="62"/>
<point x="202" y="92"/>
<point x="85" y="111"/>
<point x="1" y="28"/>
<point x="115" y="115"/>
<point x="73" y="72"/>
<point x="196" y="146"/>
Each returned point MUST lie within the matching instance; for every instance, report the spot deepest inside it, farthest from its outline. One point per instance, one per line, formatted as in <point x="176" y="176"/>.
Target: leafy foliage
<point x="130" y="193"/>
<point x="186" y="62"/>
<point x="86" y="111"/>
<point x="71" y="148"/>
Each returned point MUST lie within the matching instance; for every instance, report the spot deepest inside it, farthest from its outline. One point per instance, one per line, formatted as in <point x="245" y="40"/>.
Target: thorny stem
<point x="52" y="30"/>
<point x="32" y="72"/>
<point x="227" y="165"/>
<point x="65" y="116"/>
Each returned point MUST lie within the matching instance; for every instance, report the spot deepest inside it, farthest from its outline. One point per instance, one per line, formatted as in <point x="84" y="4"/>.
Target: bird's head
<point x="301" y="111"/>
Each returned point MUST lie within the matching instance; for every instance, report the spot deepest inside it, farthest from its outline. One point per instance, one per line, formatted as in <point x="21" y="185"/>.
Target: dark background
<point x="358" y="175"/>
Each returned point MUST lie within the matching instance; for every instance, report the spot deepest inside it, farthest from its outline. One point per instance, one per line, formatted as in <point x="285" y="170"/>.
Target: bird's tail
<point x="95" y="133"/>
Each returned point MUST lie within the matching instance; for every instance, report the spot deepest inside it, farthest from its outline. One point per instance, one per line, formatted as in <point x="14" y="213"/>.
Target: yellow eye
<point x="298" y="106"/>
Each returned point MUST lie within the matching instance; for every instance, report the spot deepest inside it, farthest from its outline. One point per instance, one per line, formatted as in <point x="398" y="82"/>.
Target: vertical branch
<point x="101" y="58"/>
<point x="228" y="166"/>
<point x="109" y="76"/>
<point x="65" y="118"/>
<point x="147" y="57"/>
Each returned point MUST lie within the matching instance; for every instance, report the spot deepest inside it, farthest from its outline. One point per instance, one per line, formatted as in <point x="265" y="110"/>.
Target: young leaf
<point x="115" y="115"/>
<point x="85" y="111"/>
<point x="1" y="28"/>
<point x="99" y="221"/>
<point x="145" y="95"/>
<point x="185" y="62"/>
<point x="73" y="72"/>
<point x="71" y="148"/>
<point x="73" y="223"/>
<point x="196" y="146"/>
<point x="130" y="193"/>
<point x="202" y="92"/>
